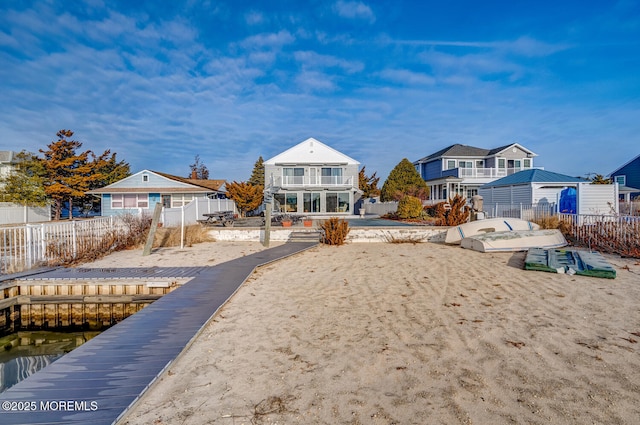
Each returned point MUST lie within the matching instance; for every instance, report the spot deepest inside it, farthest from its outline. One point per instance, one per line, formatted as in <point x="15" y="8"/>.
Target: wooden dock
<point x="99" y="381"/>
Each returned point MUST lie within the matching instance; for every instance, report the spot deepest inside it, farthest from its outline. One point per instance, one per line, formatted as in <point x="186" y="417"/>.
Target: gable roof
<point x="183" y="185"/>
<point x="311" y="151"/>
<point x="614" y="172"/>
<point x="533" y="176"/>
<point x="458" y="150"/>
<point x="207" y="184"/>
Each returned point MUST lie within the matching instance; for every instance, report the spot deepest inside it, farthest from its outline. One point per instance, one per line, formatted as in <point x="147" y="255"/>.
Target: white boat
<point x="516" y="240"/>
<point x="457" y="233"/>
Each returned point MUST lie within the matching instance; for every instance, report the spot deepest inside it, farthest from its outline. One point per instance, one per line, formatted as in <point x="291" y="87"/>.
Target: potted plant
<point x="307" y="222"/>
<point x="286" y="221"/>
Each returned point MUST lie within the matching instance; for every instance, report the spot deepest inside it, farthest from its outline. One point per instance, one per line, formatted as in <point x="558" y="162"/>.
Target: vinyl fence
<point x="18" y="214"/>
<point x="28" y="246"/>
<point x="190" y="213"/>
<point x="524" y="211"/>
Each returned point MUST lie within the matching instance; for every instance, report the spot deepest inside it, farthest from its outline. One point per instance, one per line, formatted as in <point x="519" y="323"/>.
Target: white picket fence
<point x="190" y="213"/>
<point x="28" y="246"/>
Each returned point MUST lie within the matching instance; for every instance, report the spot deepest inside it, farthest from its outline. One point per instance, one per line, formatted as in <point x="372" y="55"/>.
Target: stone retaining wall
<point x="356" y="234"/>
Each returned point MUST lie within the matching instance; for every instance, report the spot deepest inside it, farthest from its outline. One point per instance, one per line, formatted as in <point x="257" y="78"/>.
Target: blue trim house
<point x="462" y="169"/>
<point x="141" y="192"/>
<point x="628" y="179"/>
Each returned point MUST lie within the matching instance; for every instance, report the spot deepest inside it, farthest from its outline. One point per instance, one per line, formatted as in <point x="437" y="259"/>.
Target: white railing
<point x="317" y="181"/>
<point x="479" y="173"/>
<point x="31" y="245"/>
<point x="190" y="213"/>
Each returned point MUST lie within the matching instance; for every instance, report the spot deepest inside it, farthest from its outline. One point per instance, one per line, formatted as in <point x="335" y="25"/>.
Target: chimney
<point x="194" y="175"/>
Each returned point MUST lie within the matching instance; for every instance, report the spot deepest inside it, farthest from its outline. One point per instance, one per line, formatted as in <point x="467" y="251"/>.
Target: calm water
<point x="24" y="353"/>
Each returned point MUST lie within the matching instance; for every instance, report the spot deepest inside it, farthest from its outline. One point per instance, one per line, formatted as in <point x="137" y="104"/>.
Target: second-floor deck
<point x="314" y="181"/>
<point x="481" y="173"/>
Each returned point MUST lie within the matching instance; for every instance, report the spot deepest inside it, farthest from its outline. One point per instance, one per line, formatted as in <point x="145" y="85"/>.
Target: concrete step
<point x="313" y="236"/>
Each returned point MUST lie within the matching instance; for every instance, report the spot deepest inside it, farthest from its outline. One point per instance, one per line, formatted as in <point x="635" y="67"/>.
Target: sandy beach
<point x="384" y="333"/>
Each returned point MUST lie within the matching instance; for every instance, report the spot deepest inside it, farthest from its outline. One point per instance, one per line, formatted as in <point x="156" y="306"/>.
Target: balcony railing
<point x="485" y="173"/>
<point x="318" y="181"/>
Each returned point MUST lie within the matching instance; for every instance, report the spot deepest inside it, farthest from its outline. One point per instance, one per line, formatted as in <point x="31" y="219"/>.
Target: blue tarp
<point x="568" y="201"/>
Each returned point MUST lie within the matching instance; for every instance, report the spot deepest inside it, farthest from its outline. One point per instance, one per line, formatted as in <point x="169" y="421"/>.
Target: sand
<point x="385" y="333"/>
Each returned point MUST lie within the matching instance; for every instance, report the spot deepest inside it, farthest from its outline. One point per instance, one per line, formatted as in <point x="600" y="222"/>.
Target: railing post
<point x="74" y="238"/>
<point x="43" y="242"/>
<point x="28" y="255"/>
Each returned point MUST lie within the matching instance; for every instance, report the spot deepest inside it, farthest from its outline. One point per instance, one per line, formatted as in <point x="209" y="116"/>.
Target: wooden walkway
<point x="99" y="381"/>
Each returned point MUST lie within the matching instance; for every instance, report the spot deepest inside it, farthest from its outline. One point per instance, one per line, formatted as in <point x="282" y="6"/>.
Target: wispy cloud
<point x="269" y="40"/>
<point x="406" y="77"/>
<point x="354" y="10"/>
<point x="315" y="60"/>
<point x="523" y="46"/>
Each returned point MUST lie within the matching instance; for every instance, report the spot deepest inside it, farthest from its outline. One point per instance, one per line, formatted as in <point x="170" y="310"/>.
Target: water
<point x="24" y="353"/>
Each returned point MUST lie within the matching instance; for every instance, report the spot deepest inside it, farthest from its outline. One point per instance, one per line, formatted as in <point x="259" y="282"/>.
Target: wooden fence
<point x="619" y="234"/>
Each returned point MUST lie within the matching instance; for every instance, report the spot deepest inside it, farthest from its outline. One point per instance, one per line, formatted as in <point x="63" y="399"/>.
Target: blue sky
<point x="159" y="82"/>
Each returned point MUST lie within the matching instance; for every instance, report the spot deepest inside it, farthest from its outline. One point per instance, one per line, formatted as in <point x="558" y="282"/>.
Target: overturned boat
<point x="516" y="240"/>
<point x="457" y="233"/>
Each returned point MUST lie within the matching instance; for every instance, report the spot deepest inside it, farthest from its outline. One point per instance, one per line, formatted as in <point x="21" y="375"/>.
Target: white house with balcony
<point x="462" y="169"/>
<point x="312" y="178"/>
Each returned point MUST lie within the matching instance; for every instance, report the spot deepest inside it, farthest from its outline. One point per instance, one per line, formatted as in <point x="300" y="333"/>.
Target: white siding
<point x="546" y="194"/>
<point x="597" y="198"/>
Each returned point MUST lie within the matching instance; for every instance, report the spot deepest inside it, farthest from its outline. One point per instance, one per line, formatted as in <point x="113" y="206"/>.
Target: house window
<point x="502" y="163"/>
<point x="451" y="164"/>
<point x="465" y="164"/>
<point x="337" y="202"/>
<point x="311" y="202"/>
<point x="526" y="163"/>
<point x="285" y="202"/>
<point x="145" y="178"/>
<point x="119" y="200"/>
<point x="479" y="163"/>
<point x="331" y="176"/>
<point x="291" y="175"/>
<point x="621" y="180"/>
<point x="180" y="200"/>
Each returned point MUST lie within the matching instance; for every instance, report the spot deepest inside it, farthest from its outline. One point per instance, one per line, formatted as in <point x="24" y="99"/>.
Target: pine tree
<point x="600" y="179"/>
<point x="257" y="175"/>
<point x="105" y="169"/>
<point x="67" y="173"/>
<point x="404" y="180"/>
<point x="368" y="185"/>
<point x="247" y="196"/>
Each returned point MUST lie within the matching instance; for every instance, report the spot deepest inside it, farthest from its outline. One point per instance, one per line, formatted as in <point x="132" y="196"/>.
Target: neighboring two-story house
<point x="141" y="192"/>
<point x="628" y="178"/>
<point x="461" y="169"/>
<point x="7" y="162"/>
<point x="311" y="178"/>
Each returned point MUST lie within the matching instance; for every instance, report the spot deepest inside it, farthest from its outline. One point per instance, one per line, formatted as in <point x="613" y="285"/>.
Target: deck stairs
<point x="312" y="236"/>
